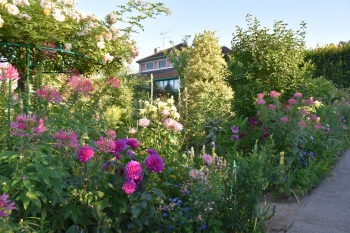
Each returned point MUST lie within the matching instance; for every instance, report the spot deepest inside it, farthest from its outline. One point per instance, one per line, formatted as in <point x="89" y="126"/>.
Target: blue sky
<point x="327" y="21"/>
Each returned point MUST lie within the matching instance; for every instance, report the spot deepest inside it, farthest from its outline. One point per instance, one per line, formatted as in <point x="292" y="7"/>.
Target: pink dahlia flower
<point x="302" y="124"/>
<point x="272" y="106"/>
<point x="133" y="170"/>
<point x="292" y="101"/>
<point x="261" y="102"/>
<point x="154" y="163"/>
<point x="85" y="153"/>
<point x="298" y="95"/>
<point x="261" y="96"/>
<point x="132" y="142"/>
<point x="284" y="119"/>
<point x="129" y="187"/>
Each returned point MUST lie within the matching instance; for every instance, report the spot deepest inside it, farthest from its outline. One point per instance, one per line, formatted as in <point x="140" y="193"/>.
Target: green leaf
<point x="147" y="196"/>
<point x="142" y="204"/>
<point x="75" y="229"/>
<point x="27" y="184"/>
<point x="135" y="211"/>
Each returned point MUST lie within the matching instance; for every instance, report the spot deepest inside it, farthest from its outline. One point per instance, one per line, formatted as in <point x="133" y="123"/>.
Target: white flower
<point x="107" y="58"/>
<point x="21" y="2"/>
<point x="1" y="22"/>
<point x="12" y="9"/>
<point x="68" y="46"/>
<point x="25" y="16"/>
<point x="111" y="18"/>
<point x="3" y="2"/>
<point x="57" y="15"/>
<point x="70" y="2"/>
<point x="109" y="36"/>
<point x="101" y="44"/>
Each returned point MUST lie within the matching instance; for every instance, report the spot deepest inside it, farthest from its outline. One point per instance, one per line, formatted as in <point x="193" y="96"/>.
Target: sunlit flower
<point x="12" y="9"/>
<point x="85" y="153"/>
<point x="25" y="16"/>
<point x="9" y="72"/>
<point x="111" y="18"/>
<point x="107" y="58"/>
<point x="165" y="112"/>
<point x="114" y="82"/>
<point x="1" y="22"/>
<point x="80" y="85"/>
<point x="101" y="45"/>
<point x="68" y="46"/>
<point x="261" y="96"/>
<point x="132" y="131"/>
<point x="50" y="94"/>
<point x="144" y="122"/>
<point x="274" y="94"/>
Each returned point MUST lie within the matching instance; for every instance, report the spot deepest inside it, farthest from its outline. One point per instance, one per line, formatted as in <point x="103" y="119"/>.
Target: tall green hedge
<point x="332" y="62"/>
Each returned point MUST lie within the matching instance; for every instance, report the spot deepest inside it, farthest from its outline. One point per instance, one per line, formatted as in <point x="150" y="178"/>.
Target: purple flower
<point x="85" y="153"/>
<point x="235" y="129"/>
<point x="119" y="146"/>
<point x="154" y="162"/>
<point x="5" y="204"/>
<point x="234" y="137"/>
<point x="133" y="170"/>
<point x="132" y="142"/>
<point x="261" y="102"/>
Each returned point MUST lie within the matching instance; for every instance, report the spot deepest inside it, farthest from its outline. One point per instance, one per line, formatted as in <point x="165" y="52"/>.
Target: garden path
<point x="325" y="210"/>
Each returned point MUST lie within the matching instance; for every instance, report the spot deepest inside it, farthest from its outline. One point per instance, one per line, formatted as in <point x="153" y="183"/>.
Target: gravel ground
<point x="325" y="210"/>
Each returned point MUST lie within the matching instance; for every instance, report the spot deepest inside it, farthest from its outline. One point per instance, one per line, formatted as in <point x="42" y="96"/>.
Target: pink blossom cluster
<point x="80" y="85"/>
<point x="310" y="101"/>
<point x="27" y="126"/>
<point x="292" y="101"/>
<point x="49" y="54"/>
<point x="51" y="94"/>
<point x="114" y="82"/>
<point x="172" y="124"/>
<point x="207" y="159"/>
<point x="274" y="94"/>
<point x="272" y="106"/>
<point x="66" y="138"/>
<point x="9" y="72"/>
<point x="133" y="175"/>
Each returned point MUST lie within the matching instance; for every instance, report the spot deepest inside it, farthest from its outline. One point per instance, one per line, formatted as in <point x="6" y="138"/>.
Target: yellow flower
<point x="46" y="12"/>
<point x="282" y="158"/>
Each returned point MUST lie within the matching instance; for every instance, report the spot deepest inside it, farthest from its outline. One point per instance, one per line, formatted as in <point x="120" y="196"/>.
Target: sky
<point x="327" y="21"/>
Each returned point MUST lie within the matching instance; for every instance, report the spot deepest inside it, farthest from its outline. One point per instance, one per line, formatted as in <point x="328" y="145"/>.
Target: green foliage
<point x="264" y="61"/>
<point x="319" y="88"/>
<point x="332" y="63"/>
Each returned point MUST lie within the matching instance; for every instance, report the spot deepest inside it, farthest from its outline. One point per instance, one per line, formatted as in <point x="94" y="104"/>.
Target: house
<point x="164" y="74"/>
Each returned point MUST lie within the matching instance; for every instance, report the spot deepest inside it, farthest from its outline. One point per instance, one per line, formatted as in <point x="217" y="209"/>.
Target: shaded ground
<point x="325" y="210"/>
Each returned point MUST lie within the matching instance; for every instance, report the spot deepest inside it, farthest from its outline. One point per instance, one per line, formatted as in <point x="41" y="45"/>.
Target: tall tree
<point x="263" y="61"/>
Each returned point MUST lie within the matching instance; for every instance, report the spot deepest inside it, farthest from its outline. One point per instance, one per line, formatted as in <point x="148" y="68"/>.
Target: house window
<point x="149" y="66"/>
<point x="162" y="64"/>
<point x="168" y="84"/>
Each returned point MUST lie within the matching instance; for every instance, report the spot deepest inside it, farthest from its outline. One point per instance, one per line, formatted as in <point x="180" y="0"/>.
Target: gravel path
<point x="325" y="210"/>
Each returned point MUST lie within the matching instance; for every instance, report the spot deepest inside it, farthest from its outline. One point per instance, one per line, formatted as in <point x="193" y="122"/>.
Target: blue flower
<point x="170" y="227"/>
<point x="179" y="202"/>
<point x="164" y="215"/>
<point x="175" y="199"/>
<point x="188" y="192"/>
<point x="186" y="209"/>
<point x="182" y="222"/>
<point x="204" y="227"/>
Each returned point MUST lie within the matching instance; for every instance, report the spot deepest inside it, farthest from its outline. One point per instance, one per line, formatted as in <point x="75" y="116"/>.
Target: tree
<point x="262" y="61"/>
<point x="204" y="70"/>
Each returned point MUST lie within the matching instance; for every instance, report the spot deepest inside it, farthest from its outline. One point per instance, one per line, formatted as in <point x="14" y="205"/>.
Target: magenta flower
<point x="292" y="101"/>
<point x="133" y="170"/>
<point x="207" y="159"/>
<point x="119" y="146"/>
<point x="274" y="94"/>
<point x="129" y="187"/>
<point x="261" y="96"/>
<point x="242" y="135"/>
<point x="132" y="142"/>
<point x="261" y="102"/>
<point x="284" y="119"/>
<point x="85" y="153"/>
<point x="303" y="112"/>
<point x="272" y="106"/>
<point x="235" y="129"/>
<point x="66" y="139"/>
<point x="144" y="122"/>
<point x="154" y="162"/>
<point x="114" y="82"/>
<point x="50" y="94"/>
<point x="5" y="205"/>
<point x="131" y="154"/>
<point x="9" y="72"/>
<point x="80" y="85"/>
<point x="298" y="95"/>
<point x="309" y="101"/>
<point x="27" y="125"/>
<point x="302" y="124"/>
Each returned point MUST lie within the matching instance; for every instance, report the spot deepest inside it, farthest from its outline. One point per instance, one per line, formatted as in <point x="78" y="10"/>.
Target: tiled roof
<point x="161" y="54"/>
<point x="164" y="73"/>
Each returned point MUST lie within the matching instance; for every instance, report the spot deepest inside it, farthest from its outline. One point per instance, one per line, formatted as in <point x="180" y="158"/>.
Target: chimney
<point x="156" y="50"/>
